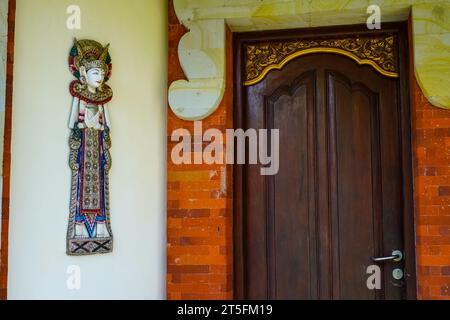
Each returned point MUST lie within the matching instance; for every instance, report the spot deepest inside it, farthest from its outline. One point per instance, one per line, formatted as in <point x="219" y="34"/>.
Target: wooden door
<point x="340" y="197"/>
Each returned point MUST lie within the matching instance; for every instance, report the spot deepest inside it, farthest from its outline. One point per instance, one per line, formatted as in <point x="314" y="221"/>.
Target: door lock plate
<point x="397" y="274"/>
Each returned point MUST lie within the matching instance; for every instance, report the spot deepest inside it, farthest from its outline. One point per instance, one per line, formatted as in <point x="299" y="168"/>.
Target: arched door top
<point x="378" y="52"/>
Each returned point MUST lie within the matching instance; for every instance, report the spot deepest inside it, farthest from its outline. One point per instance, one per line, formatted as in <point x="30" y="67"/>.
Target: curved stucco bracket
<point x="431" y="27"/>
<point x="202" y="57"/>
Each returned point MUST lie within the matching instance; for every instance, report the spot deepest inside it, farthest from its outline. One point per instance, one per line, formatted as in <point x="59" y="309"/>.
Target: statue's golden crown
<point x="91" y="54"/>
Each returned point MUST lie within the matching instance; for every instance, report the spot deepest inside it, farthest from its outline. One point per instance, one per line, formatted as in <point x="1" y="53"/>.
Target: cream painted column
<point x="40" y="173"/>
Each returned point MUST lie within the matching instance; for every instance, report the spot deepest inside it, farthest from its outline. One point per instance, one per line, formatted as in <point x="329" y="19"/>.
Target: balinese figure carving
<point x="89" y="230"/>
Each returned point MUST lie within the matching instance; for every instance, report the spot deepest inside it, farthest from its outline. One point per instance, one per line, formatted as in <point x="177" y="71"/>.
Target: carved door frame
<point x="400" y="30"/>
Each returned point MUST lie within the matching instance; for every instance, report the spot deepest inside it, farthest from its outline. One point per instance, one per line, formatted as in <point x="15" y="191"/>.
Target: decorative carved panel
<point x="378" y="52"/>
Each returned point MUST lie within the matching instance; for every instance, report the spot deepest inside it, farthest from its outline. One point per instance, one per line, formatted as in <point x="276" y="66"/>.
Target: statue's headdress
<point x="89" y="54"/>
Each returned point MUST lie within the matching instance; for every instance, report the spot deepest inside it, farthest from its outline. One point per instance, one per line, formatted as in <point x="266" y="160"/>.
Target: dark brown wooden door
<point x="310" y="231"/>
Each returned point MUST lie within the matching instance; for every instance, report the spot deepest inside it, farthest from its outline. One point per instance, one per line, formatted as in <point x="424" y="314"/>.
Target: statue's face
<point x="95" y="77"/>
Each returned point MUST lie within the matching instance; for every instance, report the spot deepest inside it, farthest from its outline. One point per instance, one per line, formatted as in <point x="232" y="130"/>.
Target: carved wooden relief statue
<point x="89" y="230"/>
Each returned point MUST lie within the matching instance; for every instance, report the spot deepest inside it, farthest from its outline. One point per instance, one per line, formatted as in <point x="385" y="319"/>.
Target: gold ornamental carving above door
<point x="376" y="51"/>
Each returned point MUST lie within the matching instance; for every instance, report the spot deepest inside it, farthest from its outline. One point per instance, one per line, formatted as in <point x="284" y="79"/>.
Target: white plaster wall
<point x="40" y="177"/>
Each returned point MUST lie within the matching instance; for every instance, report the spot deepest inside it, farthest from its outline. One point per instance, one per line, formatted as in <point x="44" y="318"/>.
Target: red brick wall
<point x="432" y="196"/>
<point x="199" y="202"/>
<point x="7" y="151"/>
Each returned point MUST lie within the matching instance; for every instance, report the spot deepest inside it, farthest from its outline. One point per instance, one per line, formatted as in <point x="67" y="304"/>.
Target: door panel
<point x="354" y="184"/>
<point x="289" y="234"/>
<point x="310" y="231"/>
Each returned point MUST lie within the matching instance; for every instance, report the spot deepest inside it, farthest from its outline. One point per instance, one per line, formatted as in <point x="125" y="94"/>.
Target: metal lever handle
<point x="396" y="256"/>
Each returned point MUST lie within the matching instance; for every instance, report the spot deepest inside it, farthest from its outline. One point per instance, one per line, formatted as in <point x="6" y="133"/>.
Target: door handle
<point x="396" y="256"/>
